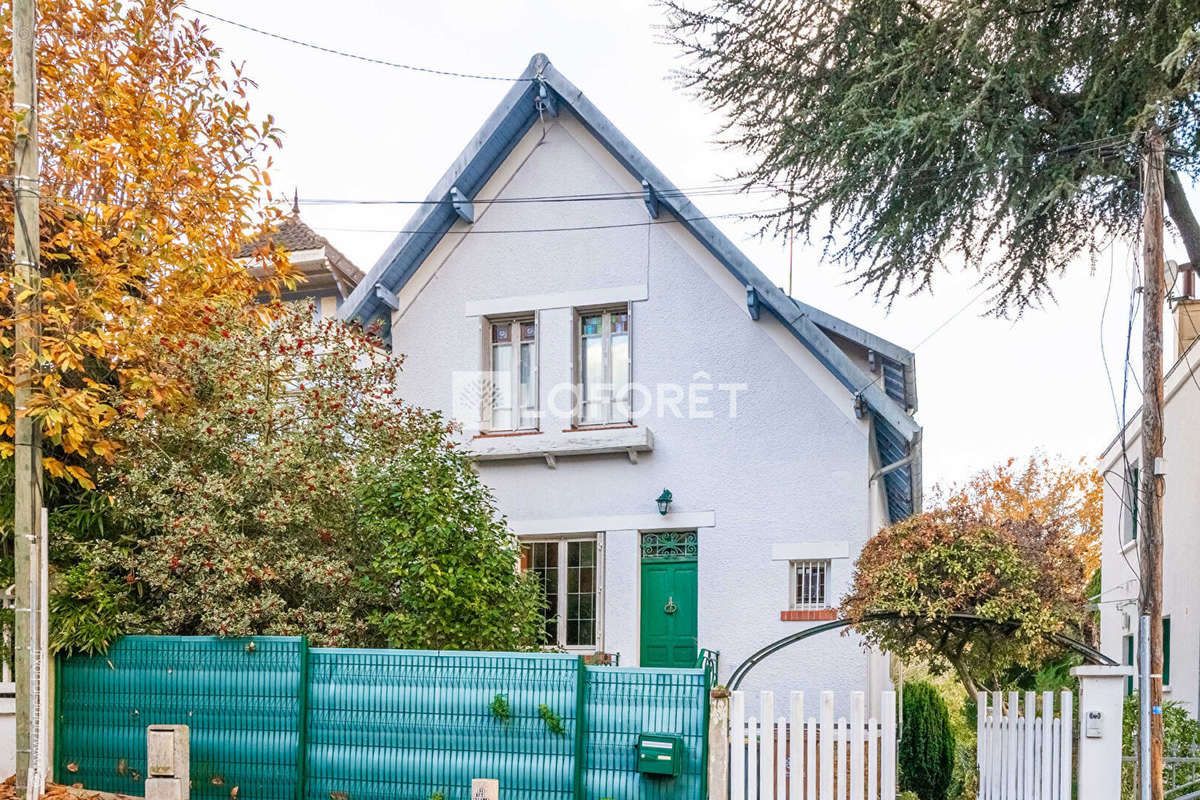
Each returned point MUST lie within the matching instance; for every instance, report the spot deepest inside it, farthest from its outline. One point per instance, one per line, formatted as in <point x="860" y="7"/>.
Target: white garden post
<point x="719" y="744"/>
<point x="1101" y="694"/>
<point x="737" y="746"/>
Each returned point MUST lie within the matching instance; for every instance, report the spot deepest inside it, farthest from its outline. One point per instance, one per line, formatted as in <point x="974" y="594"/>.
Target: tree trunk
<point x="1182" y="216"/>
<point x="964" y="677"/>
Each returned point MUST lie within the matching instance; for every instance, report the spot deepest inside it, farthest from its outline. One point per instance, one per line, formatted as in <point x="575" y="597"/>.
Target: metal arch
<point x="1090" y="654"/>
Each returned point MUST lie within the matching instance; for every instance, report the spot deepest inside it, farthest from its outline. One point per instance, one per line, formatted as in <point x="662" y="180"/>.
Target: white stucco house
<point x="1121" y="468"/>
<point x="601" y="342"/>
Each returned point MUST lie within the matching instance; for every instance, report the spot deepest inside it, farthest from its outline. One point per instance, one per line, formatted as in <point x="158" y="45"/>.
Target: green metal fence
<point x="281" y="721"/>
<point x="243" y="705"/>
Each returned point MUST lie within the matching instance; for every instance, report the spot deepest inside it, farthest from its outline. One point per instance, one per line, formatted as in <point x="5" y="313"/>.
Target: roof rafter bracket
<point x="462" y="206"/>
<point x="387" y="297"/>
<point x="651" y="198"/>
<point x="545" y="101"/>
<point x="752" y="303"/>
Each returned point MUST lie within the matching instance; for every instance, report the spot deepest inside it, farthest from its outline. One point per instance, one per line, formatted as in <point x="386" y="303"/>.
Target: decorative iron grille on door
<point x="668" y="545"/>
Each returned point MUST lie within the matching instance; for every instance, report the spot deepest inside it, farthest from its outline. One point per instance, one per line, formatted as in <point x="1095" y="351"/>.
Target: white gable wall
<point x="791" y="468"/>
<point x="1181" y="546"/>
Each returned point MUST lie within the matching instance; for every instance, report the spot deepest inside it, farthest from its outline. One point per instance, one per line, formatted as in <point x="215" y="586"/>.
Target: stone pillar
<point x="1101" y="696"/>
<point x="718" y="744"/>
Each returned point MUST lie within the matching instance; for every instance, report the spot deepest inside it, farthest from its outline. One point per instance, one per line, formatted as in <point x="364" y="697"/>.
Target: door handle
<point x="670" y="607"/>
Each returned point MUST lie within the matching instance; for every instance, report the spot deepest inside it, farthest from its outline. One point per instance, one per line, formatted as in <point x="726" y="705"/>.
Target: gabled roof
<point x="294" y="236"/>
<point x="888" y="396"/>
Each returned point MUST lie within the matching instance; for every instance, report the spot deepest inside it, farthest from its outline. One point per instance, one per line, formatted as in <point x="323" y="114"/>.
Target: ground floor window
<point x="569" y="572"/>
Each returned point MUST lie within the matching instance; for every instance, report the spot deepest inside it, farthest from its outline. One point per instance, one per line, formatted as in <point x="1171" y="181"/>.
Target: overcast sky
<point x="989" y="388"/>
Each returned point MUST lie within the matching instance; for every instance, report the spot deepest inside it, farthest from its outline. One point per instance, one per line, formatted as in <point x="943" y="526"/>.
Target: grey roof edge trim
<point x="361" y="302"/>
<point x="803" y="320"/>
<point x="800" y="318"/>
<point x="850" y="376"/>
<point x="869" y="340"/>
<point x="918" y="472"/>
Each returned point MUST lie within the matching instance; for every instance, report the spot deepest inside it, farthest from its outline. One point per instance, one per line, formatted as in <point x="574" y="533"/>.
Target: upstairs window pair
<point x="602" y="369"/>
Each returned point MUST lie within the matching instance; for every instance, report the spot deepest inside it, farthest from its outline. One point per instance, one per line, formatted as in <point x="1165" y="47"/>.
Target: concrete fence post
<point x="718" y="744"/>
<point x="1101" y="695"/>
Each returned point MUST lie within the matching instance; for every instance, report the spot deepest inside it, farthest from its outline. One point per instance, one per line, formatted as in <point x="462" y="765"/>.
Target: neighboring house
<point x="328" y="276"/>
<point x="602" y="341"/>
<point x="1121" y="467"/>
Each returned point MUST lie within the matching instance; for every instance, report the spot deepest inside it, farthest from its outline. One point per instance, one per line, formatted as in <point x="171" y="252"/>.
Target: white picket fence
<point x="799" y="757"/>
<point x="1023" y="756"/>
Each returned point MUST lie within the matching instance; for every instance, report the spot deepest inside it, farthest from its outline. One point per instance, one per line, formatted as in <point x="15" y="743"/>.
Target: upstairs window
<point x="1129" y="504"/>
<point x="511" y="399"/>
<point x="810" y="585"/>
<point x="604" y="366"/>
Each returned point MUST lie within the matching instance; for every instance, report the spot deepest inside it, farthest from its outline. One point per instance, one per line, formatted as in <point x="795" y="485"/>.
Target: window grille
<point x="810" y="582"/>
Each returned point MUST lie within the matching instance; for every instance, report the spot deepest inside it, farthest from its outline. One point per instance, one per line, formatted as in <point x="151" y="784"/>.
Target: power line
<point x="716" y="190"/>
<point x="476" y="232"/>
<point x="354" y="56"/>
<point x="951" y="318"/>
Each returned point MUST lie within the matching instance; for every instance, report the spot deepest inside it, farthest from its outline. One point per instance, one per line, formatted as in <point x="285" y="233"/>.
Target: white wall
<point x="1181" y="545"/>
<point x="791" y="467"/>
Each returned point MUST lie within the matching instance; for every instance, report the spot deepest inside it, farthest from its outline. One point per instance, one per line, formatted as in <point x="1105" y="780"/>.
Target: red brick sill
<point x="822" y="615"/>
<point x="582" y="428"/>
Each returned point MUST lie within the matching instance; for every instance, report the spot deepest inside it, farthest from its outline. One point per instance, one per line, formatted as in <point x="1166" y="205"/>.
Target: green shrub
<point x="295" y="493"/>
<point x="1181" y="739"/>
<point x="926" y="743"/>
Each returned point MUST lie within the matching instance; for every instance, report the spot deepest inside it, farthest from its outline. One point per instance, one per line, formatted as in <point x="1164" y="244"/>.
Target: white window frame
<point x="794" y="567"/>
<point x="563" y="543"/>
<point x="606" y="313"/>
<point x="487" y="422"/>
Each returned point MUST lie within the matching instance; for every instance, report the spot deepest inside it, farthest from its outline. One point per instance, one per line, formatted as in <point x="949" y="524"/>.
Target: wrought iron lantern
<point x="664" y="502"/>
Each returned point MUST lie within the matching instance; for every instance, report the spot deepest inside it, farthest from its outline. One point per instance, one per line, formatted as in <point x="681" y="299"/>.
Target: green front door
<point x="669" y="607"/>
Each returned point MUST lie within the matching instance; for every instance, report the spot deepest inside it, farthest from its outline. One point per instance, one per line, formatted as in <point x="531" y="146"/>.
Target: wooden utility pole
<point x="26" y="306"/>
<point x="1150" y="536"/>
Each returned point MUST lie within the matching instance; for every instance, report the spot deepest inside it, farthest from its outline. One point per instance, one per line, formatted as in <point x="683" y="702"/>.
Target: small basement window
<point x="810" y="585"/>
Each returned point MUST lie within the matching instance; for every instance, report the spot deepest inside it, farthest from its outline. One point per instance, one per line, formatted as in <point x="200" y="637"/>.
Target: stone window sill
<point x="550" y="446"/>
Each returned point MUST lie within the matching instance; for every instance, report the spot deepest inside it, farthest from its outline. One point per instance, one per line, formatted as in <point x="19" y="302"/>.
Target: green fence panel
<point x="240" y="697"/>
<point x="622" y="702"/>
<point x="281" y="721"/>
<point x="404" y="725"/>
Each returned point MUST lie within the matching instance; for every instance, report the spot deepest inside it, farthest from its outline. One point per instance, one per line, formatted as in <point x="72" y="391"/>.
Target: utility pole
<point x="1150" y="536"/>
<point x="26" y="307"/>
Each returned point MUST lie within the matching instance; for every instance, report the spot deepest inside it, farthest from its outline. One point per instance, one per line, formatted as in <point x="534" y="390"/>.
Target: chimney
<point x="1187" y="311"/>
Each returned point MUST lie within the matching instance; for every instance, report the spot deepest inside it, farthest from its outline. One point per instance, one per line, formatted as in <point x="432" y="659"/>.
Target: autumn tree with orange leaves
<point x="1066" y="494"/>
<point x="984" y="581"/>
<point x="153" y="171"/>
